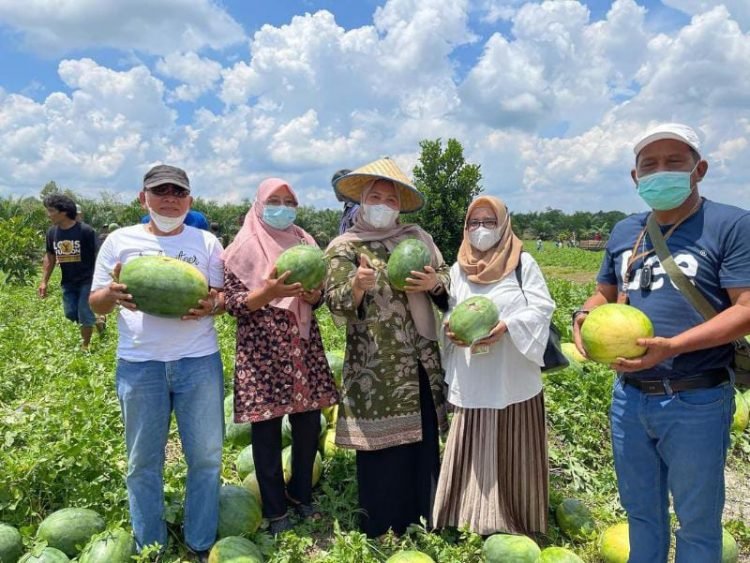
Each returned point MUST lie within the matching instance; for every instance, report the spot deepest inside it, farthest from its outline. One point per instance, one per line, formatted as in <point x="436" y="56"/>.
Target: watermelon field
<point x="62" y="446"/>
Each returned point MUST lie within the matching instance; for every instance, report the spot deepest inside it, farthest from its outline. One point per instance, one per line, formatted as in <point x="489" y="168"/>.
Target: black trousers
<point x="267" y="458"/>
<point x="397" y="485"/>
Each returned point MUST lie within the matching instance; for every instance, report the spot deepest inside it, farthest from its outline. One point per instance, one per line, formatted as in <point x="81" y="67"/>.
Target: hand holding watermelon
<point x="312" y="296"/>
<point x="276" y="287"/>
<point x="495" y="334"/>
<point x="117" y="293"/>
<point x="422" y="281"/>
<point x="206" y="307"/>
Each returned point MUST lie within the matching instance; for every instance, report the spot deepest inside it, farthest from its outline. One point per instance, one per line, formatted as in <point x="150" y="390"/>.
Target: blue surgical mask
<point x="279" y="216"/>
<point x="665" y="190"/>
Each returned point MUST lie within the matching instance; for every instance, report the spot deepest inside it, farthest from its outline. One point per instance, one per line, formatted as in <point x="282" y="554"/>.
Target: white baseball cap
<point x="675" y="131"/>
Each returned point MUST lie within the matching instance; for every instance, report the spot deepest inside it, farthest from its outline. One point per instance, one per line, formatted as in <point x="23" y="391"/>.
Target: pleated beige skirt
<point x="494" y="475"/>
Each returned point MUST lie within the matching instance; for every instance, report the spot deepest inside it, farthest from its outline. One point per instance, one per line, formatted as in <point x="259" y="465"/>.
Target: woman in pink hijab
<point x="280" y="366"/>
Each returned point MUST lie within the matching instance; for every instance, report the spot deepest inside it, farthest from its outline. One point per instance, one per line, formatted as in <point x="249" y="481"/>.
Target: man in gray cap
<point x="167" y="364"/>
<point x="672" y="407"/>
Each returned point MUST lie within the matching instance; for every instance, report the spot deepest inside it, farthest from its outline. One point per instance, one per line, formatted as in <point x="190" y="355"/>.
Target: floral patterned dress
<point x="380" y="406"/>
<point x="277" y="372"/>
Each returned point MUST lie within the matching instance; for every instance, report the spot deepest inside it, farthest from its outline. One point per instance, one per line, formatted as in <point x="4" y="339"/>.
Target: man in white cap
<point x="672" y="407"/>
<point x="167" y="365"/>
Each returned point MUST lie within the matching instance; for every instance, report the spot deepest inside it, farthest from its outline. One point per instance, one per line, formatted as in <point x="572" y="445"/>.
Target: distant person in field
<point x="350" y="208"/>
<point x="539" y="244"/>
<point x="167" y="365"/>
<point x="393" y="404"/>
<point x="280" y="367"/>
<point x="495" y="468"/>
<point x="72" y="245"/>
<point x="672" y="408"/>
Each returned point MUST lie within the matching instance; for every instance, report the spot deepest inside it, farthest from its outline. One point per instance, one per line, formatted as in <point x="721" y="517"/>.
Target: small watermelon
<point x="286" y="463"/>
<point x="44" y="555"/>
<point x="473" y="319"/>
<point x="70" y="529"/>
<point x="244" y="463"/>
<point x="614" y="544"/>
<point x="236" y="434"/>
<point x="239" y="511"/>
<point x="409" y="254"/>
<point x="327" y="443"/>
<point x="251" y="484"/>
<point x="306" y="263"/>
<point x="111" y="546"/>
<point x="235" y="549"/>
<point x="559" y="555"/>
<point x="336" y="362"/>
<point x="501" y="548"/>
<point x="410" y="556"/>
<point x="730" y="552"/>
<point x="741" y="413"/>
<point x="575" y="520"/>
<point x="11" y="545"/>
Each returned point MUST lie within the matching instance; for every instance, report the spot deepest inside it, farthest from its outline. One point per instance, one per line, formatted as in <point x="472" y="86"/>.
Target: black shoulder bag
<point x="741" y="363"/>
<point x="554" y="359"/>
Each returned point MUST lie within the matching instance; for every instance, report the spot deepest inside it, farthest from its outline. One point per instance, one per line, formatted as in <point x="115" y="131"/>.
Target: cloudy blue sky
<point x="546" y="96"/>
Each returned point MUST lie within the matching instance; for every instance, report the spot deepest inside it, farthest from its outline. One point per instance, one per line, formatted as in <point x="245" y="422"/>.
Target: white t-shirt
<point x="509" y="372"/>
<point x="145" y="337"/>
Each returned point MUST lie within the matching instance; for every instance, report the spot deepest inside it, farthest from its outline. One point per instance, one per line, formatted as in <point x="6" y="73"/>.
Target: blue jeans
<point x="672" y="444"/>
<point x="148" y="391"/>
<point x="75" y="299"/>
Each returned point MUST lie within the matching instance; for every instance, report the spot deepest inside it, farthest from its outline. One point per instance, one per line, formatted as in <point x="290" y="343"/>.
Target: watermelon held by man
<point x="164" y="286"/>
<point x="611" y="331"/>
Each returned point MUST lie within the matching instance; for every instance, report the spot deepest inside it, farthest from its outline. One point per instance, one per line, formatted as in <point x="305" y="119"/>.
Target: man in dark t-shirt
<point x="672" y="407"/>
<point x="73" y="246"/>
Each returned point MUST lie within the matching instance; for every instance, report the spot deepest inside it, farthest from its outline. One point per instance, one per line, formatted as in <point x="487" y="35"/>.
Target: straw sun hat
<point x="350" y="186"/>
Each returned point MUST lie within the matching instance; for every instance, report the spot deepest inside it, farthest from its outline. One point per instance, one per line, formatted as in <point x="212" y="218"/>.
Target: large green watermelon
<point x="559" y="555"/>
<point x="336" y="362"/>
<point x="730" y="552"/>
<point x="245" y="464"/>
<point x="307" y="264"/>
<point x="575" y="519"/>
<point x="251" y="484"/>
<point x="610" y="331"/>
<point x="410" y="556"/>
<point x="501" y="548"/>
<point x="410" y="254"/>
<point x="473" y="319"/>
<point x="286" y="463"/>
<point x="239" y="511"/>
<point x="70" y="529"/>
<point x="164" y="286"/>
<point x="234" y="549"/>
<point x="614" y="544"/>
<point x="44" y="555"/>
<point x="11" y="545"/>
<point x="111" y="546"/>
<point x="741" y="413"/>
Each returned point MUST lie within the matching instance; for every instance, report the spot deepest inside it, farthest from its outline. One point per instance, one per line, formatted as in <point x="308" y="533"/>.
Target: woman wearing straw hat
<point x="393" y="404"/>
<point x="280" y="365"/>
<point x="494" y="473"/>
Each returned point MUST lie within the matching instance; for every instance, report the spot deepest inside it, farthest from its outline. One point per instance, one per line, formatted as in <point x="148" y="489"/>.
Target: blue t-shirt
<point x="712" y="248"/>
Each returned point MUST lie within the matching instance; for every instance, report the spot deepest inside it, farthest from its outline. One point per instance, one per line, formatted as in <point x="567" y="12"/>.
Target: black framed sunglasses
<point x="169" y="189"/>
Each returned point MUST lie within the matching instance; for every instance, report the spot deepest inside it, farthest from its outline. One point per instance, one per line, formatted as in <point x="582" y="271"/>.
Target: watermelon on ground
<point x="331" y="414"/>
<point x="559" y="555"/>
<point x="286" y="431"/>
<point x="238" y="435"/>
<point x="244" y="463"/>
<point x="251" y="484"/>
<point x="164" y="286"/>
<point x="327" y="443"/>
<point x="575" y="519"/>
<point x="11" y="545"/>
<point x="336" y="363"/>
<point x="239" y="511"/>
<point x="286" y="463"/>
<point x="306" y="263"/>
<point x="501" y="548"/>
<point x="235" y="549"/>
<point x="741" y="413"/>
<point x="610" y="331"/>
<point x="614" y="544"/>
<point x="410" y="556"/>
<point x="111" y="546"/>
<point x="44" y="555"/>
<point x="730" y="552"/>
<point x="473" y="319"/>
<point x="70" y="529"/>
<point x="409" y="254"/>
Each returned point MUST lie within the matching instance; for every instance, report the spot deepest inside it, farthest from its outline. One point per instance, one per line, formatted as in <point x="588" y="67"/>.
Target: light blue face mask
<point x="279" y="216"/>
<point x="665" y="190"/>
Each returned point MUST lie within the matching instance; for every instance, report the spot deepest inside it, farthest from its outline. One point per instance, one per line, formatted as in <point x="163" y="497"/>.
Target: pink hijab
<point x="419" y="303"/>
<point x="253" y="253"/>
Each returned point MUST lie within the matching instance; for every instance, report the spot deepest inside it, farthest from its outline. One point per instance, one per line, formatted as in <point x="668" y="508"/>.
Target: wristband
<point x="579" y="312"/>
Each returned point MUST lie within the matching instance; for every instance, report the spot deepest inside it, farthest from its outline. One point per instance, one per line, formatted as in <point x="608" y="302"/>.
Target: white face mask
<point x="166" y="224"/>
<point x="483" y="239"/>
<point x="380" y="216"/>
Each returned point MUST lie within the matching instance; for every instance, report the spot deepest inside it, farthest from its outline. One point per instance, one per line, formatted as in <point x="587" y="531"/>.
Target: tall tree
<point x="449" y="184"/>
